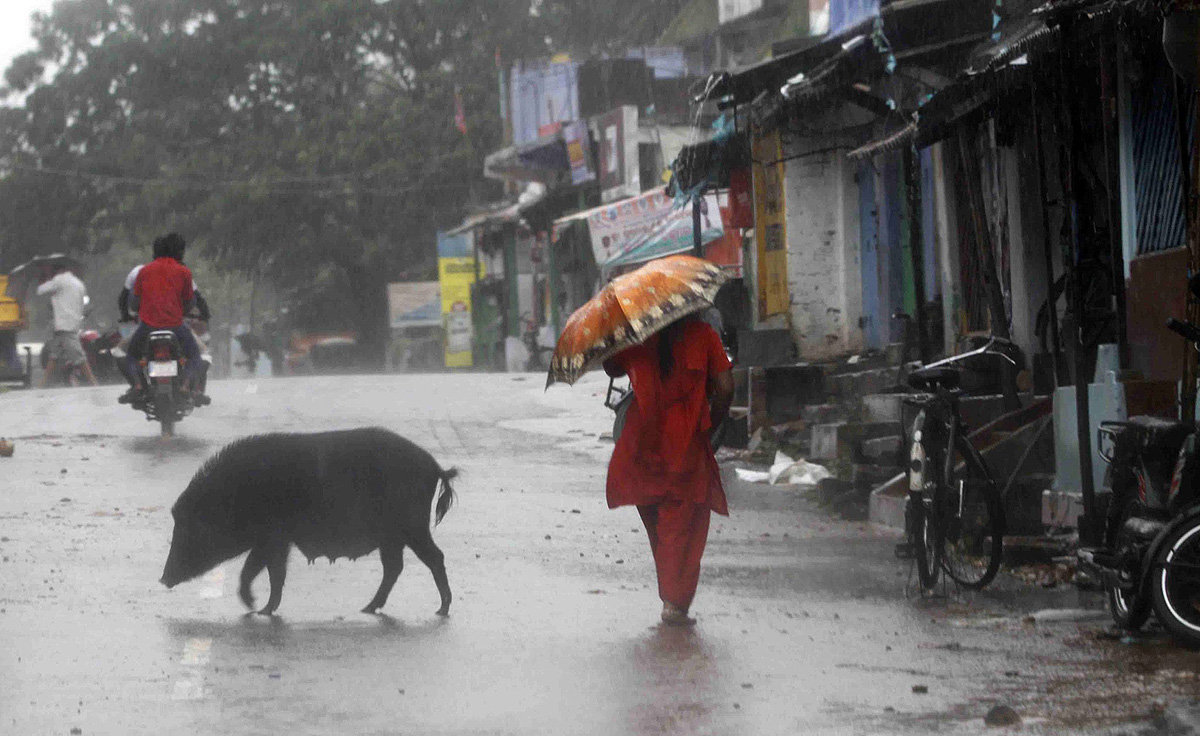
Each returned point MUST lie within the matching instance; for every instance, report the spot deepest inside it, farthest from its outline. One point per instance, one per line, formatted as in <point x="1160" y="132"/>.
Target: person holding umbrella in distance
<point x="643" y="325"/>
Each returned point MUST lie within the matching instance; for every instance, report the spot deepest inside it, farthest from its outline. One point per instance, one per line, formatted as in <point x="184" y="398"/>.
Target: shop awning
<point x="743" y="86"/>
<point x="496" y="216"/>
<point x="995" y="67"/>
<point x="543" y="160"/>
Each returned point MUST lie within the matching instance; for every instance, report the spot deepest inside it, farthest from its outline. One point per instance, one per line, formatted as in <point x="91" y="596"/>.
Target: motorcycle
<point x="98" y="346"/>
<point x="534" y="338"/>
<point x="161" y="372"/>
<point x="1150" y="558"/>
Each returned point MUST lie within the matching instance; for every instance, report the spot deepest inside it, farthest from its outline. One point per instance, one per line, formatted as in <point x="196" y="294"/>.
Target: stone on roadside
<point x="1002" y="715"/>
<point x="6" y="448"/>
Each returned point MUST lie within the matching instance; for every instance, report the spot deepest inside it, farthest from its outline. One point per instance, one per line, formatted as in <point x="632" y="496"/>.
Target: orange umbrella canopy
<point x="631" y="308"/>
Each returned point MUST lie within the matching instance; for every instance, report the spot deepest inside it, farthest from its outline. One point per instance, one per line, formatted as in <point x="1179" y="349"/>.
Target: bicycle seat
<point x="932" y="379"/>
<point x="1152" y="428"/>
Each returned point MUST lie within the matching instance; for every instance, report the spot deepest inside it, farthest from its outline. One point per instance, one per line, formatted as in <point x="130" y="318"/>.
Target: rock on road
<point x="804" y="624"/>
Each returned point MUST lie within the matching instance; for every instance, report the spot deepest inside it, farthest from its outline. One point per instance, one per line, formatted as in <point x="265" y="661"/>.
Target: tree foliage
<point x="312" y="144"/>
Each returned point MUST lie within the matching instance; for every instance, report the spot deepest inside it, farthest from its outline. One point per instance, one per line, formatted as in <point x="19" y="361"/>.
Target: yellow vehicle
<point x="12" y="320"/>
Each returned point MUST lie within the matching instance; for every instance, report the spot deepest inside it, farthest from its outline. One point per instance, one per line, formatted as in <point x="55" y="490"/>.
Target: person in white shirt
<point x="68" y="296"/>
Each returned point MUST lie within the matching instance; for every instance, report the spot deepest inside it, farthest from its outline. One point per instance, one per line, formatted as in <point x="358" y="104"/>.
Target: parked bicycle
<point x="954" y="517"/>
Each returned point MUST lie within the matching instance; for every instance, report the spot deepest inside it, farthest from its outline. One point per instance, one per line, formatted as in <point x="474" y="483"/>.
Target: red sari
<point x="663" y="462"/>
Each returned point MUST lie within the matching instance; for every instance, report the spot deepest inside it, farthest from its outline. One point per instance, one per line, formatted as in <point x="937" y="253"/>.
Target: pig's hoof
<point x="444" y="611"/>
<point x="247" y="598"/>
<point x="372" y="610"/>
<point x="268" y="611"/>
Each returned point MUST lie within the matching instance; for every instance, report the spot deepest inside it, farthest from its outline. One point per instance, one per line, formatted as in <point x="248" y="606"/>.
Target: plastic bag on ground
<point x="785" y="470"/>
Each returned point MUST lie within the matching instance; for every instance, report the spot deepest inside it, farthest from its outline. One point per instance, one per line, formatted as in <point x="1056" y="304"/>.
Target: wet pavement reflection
<point x="804" y="626"/>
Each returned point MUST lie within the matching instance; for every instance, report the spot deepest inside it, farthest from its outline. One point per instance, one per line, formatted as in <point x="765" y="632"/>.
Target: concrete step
<point x="824" y="413"/>
<point x="1023" y="505"/>
<point x="883" y="408"/>
<point x="866" y="477"/>
<point x="887" y="502"/>
<point x="881" y="451"/>
<point x="841" y="440"/>
<point x="856" y="385"/>
<point x="789" y="388"/>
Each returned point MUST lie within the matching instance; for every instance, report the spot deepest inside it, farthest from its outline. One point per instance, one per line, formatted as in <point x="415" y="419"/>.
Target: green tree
<point x="311" y="144"/>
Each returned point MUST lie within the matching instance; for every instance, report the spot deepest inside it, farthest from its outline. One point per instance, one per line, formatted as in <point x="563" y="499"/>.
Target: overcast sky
<point x="15" y="26"/>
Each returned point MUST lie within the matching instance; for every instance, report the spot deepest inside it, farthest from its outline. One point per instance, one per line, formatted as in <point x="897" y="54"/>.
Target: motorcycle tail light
<point x="162" y="352"/>
<point x="1176" y="477"/>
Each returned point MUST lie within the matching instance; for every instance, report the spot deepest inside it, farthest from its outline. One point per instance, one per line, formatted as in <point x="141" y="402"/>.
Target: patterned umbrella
<point x="631" y="308"/>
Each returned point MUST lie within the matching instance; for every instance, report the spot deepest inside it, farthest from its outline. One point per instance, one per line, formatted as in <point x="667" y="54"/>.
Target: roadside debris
<point x="6" y="448"/>
<point x="1002" y="715"/>
<point x="786" y="471"/>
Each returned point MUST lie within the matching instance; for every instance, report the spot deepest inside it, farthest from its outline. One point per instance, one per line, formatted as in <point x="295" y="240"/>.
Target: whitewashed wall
<point x="824" y="247"/>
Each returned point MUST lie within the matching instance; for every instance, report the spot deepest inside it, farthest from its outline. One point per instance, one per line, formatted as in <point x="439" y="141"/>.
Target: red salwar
<point x="663" y="462"/>
<point x="678" y="532"/>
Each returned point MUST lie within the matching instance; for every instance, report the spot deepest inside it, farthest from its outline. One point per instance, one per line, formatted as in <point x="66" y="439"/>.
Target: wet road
<point x="803" y="622"/>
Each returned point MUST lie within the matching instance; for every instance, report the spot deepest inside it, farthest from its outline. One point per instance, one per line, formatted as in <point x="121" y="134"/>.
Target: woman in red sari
<point x="663" y="462"/>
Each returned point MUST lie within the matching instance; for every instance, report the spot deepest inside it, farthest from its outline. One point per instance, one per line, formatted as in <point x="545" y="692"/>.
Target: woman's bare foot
<point x="673" y="615"/>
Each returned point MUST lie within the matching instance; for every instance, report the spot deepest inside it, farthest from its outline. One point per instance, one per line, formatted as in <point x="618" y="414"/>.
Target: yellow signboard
<point x="456" y="275"/>
<point x="770" y="225"/>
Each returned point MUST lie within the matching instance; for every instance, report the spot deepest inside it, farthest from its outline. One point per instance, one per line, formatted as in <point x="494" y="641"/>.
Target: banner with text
<point x="770" y="225"/>
<point x="456" y="274"/>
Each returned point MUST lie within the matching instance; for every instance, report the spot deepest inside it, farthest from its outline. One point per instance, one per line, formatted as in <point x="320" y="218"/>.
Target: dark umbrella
<point x="21" y="277"/>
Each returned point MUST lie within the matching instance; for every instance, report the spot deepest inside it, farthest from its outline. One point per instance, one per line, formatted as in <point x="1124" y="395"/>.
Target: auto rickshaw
<point x="12" y="320"/>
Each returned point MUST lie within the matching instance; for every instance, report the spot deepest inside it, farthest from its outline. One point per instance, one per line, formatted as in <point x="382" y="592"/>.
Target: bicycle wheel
<point x="927" y="547"/>
<point x="925" y="531"/>
<point x="968" y="505"/>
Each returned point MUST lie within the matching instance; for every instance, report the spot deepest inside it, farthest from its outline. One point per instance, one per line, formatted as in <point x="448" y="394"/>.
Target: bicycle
<point x="954" y="517"/>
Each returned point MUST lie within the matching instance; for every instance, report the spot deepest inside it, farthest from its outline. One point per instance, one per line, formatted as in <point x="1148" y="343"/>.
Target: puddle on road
<point x="179" y="445"/>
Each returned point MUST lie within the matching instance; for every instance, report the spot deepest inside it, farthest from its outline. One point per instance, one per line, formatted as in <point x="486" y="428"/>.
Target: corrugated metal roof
<point x="1158" y="185"/>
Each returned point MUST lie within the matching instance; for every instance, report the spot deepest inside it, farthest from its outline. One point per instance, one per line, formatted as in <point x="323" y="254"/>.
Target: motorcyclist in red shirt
<point x="162" y="294"/>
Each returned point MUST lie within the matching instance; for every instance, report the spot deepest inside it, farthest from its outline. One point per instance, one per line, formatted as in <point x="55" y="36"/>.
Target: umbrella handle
<point x="717" y="438"/>
<point x="614" y="395"/>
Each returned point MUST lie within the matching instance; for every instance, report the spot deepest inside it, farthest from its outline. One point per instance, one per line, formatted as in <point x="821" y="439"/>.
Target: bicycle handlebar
<point x="987" y="347"/>
<point x="1186" y="330"/>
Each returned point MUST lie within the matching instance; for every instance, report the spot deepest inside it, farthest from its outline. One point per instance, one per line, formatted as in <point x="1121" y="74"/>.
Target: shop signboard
<point x="728" y="10"/>
<point x="770" y="225"/>
<point x="414" y="304"/>
<point x="617" y="133"/>
<point x="456" y="274"/>
<point x="845" y="14"/>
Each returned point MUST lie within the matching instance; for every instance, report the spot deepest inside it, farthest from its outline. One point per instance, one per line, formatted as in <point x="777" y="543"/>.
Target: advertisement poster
<point x="620" y="175"/>
<point x="456" y="274"/>
<point x="770" y="225"/>
<point x="674" y="233"/>
<point x="415" y="304"/>
<point x="614" y="228"/>
<point x="579" y="152"/>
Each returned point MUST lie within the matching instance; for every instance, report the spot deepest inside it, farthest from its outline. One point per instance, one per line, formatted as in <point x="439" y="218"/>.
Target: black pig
<point x="332" y="494"/>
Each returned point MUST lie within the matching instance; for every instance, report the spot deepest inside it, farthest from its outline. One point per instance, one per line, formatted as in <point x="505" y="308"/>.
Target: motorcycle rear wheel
<point x="1129" y="608"/>
<point x="1175" y="585"/>
<point x="165" y="411"/>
